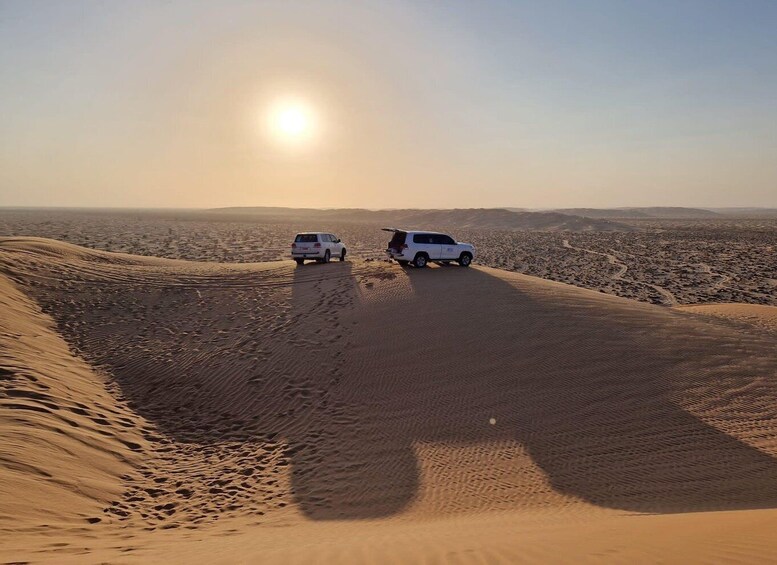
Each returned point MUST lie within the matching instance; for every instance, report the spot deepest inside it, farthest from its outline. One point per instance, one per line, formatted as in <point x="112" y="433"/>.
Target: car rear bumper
<point x="308" y="255"/>
<point x="398" y="255"/>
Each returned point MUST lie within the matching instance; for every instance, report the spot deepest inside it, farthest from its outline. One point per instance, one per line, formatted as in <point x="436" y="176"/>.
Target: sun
<point x="291" y="121"/>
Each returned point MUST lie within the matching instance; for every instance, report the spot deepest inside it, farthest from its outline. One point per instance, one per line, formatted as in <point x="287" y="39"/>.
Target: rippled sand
<point x="164" y="410"/>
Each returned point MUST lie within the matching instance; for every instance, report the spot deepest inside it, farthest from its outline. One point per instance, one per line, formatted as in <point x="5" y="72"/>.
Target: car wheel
<point x="420" y="260"/>
<point x="342" y="255"/>
<point x="299" y="261"/>
<point x="327" y="256"/>
<point x="465" y="260"/>
<point x="402" y="263"/>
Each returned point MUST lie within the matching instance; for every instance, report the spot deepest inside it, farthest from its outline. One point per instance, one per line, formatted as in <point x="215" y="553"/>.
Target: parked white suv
<point x="420" y="247"/>
<point x="317" y="245"/>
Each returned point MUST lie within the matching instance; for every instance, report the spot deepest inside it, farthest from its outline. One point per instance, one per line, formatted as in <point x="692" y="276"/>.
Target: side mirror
<point x="337" y="241"/>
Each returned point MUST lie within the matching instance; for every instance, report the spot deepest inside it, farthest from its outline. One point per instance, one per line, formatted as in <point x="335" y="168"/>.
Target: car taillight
<point x="317" y="245"/>
<point x="294" y="245"/>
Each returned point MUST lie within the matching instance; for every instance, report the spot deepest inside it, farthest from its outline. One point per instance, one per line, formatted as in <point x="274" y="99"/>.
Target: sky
<point x="388" y="104"/>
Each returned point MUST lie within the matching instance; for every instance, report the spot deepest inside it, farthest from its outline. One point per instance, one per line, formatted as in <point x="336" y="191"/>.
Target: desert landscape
<point x="177" y="390"/>
<point x="579" y="368"/>
<point x="662" y="261"/>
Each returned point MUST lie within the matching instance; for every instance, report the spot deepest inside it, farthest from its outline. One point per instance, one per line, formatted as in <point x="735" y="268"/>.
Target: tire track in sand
<point x="668" y="297"/>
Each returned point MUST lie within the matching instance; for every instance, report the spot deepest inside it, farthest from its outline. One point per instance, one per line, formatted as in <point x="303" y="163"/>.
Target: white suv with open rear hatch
<point x="317" y="245"/>
<point x="421" y="247"/>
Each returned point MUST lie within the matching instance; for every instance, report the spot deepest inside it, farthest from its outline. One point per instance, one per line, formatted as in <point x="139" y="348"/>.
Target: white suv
<point x="420" y="247"/>
<point x="317" y="245"/>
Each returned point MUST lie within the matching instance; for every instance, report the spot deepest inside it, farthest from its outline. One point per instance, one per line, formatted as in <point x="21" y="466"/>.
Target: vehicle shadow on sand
<point x="591" y="392"/>
<point x="590" y="388"/>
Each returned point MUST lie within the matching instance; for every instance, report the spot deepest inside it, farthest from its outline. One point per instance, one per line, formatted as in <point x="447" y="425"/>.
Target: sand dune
<point x="754" y="315"/>
<point x="478" y="218"/>
<point x="175" y="411"/>
<point x="66" y="438"/>
<point x="664" y="262"/>
<point x="664" y="212"/>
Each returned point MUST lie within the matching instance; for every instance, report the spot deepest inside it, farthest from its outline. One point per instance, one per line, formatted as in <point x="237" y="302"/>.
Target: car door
<point x="398" y="240"/>
<point x="327" y="243"/>
<point x="428" y="243"/>
<point x="337" y="246"/>
<point x="448" y="249"/>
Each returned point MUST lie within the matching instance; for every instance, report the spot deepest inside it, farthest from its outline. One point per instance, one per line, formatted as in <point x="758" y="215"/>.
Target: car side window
<point x="332" y="238"/>
<point x="446" y="240"/>
<point x="325" y="238"/>
<point x="423" y="238"/>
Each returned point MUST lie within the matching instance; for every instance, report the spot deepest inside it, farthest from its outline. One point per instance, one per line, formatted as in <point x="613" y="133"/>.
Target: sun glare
<point x="291" y="121"/>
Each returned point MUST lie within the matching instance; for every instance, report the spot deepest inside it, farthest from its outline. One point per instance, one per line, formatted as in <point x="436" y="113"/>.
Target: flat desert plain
<point x="167" y="410"/>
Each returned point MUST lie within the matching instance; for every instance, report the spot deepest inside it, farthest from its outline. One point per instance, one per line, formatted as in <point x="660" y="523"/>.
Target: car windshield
<point x="306" y="238"/>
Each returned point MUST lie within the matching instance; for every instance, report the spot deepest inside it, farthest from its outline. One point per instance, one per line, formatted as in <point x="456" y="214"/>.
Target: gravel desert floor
<point x="666" y="262"/>
<point x="157" y="409"/>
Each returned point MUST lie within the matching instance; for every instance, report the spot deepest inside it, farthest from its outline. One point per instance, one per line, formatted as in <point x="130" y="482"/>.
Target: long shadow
<point x="350" y="386"/>
<point x="587" y="390"/>
<point x="343" y="451"/>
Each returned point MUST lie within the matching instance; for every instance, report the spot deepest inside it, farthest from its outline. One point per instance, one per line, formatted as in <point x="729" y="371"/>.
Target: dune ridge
<point x="654" y="212"/>
<point x="755" y="315"/>
<point x="287" y="412"/>
<point x="480" y="218"/>
<point x="66" y="435"/>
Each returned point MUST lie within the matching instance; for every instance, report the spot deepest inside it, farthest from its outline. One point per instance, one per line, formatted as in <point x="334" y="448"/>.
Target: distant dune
<point x="162" y="410"/>
<point x="747" y="212"/>
<point x="655" y="212"/>
<point x="493" y="218"/>
<point x="670" y="213"/>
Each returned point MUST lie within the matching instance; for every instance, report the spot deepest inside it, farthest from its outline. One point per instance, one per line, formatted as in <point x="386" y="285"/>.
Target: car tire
<point x="421" y="260"/>
<point x="342" y="255"/>
<point x="327" y="256"/>
<point x="299" y="261"/>
<point x="466" y="259"/>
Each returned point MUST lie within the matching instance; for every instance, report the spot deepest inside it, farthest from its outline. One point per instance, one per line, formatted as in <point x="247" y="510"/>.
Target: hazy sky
<point x="388" y="104"/>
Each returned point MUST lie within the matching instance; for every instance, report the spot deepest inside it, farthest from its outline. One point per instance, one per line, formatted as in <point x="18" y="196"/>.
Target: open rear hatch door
<point x="397" y="242"/>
